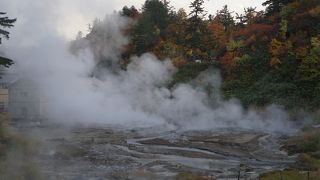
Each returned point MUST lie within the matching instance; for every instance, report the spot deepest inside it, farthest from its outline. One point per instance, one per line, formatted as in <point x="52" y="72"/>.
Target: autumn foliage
<point x="265" y="57"/>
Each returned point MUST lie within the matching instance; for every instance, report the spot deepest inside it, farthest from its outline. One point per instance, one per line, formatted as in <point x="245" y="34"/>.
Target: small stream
<point x="225" y="164"/>
<point x="104" y="153"/>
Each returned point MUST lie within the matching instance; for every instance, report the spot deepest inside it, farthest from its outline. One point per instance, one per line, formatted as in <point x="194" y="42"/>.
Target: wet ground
<point x="105" y="153"/>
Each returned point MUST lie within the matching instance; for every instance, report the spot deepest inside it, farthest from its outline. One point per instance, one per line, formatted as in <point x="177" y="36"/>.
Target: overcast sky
<point x="37" y="18"/>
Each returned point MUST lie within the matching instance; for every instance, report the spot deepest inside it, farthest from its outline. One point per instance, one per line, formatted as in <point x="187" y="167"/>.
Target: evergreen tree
<point x="197" y="9"/>
<point x="151" y="25"/>
<point x="197" y="30"/>
<point x="249" y="17"/>
<point x="225" y="17"/>
<point x="157" y="12"/>
<point x="274" y="6"/>
<point x="5" y="22"/>
<point x="131" y="12"/>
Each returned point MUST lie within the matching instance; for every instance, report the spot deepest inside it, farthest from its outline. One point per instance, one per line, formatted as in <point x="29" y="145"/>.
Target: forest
<point x="164" y="93"/>
<point x="265" y="57"/>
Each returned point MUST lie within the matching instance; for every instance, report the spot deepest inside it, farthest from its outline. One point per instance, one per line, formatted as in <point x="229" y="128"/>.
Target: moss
<point x="71" y="151"/>
<point x="189" y="176"/>
<point x="291" y="175"/>
<point x="307" y="145"/>
<point x="312" y="144"/>
<point x="142" y="174"/>
<point x="308" y="142"/>
<point x="119" y="175"/>
<point x="309" y="161"/>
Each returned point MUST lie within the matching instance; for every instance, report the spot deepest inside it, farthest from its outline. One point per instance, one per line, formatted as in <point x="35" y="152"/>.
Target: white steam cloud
<point x="136" y="97"/>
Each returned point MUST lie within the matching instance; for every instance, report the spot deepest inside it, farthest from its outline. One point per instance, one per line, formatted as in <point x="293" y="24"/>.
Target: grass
<point x="308" y="142"/>
<point x="16" y="154"/>
<point x="4" y="139"/>
<point x="309" y="161"/>
<point x="190" y="176"/>
<point x="291" y="175"/>
<point x="307" y="145"/>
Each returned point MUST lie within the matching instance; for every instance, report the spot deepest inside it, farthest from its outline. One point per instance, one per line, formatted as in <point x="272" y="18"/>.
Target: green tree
<point x="131" y="12"/>
<point x="197" y="30"/>
<point x="225" y="17"/>
<point x="275" y="6"/>
<point x="5" y="22"/>
<point x="309" y="70"/>
<point x="157" y="12"/>
<point x="250" y="16"/>
<point x="151" y="26"/>
<point x="197" y="9"/>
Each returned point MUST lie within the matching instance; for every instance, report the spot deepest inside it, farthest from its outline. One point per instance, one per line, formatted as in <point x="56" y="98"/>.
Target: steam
<point x="77" y="90"/>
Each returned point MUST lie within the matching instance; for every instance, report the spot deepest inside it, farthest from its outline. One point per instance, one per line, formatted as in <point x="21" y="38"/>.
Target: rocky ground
<point x="105" y="153"/>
